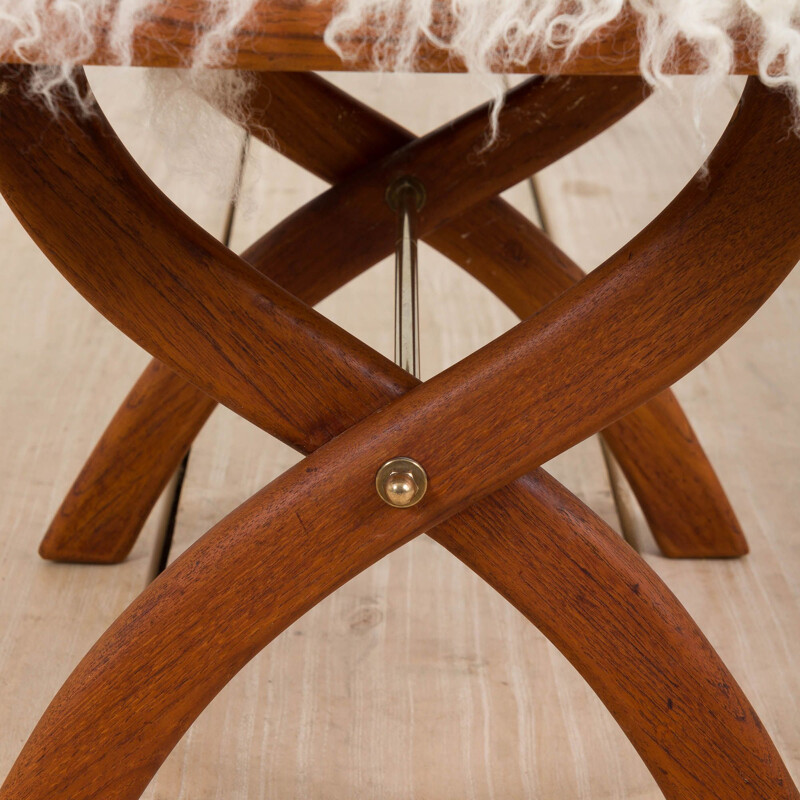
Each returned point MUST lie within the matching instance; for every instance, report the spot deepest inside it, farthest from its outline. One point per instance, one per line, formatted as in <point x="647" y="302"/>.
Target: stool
<point x="239" y="330"/>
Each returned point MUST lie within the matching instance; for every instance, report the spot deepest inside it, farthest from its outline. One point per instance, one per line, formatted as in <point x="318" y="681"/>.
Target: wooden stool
<point x="239" y="330"/>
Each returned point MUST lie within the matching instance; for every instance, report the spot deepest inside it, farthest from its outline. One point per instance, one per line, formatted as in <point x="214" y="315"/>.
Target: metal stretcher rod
<point x="406" y="196"/>
<point x="402" y="482"/>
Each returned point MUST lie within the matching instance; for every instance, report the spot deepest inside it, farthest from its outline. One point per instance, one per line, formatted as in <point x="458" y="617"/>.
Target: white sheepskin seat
<point x="477" y="32"/>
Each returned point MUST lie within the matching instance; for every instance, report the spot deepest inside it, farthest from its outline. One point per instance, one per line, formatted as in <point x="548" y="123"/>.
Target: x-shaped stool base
<point x="655" y="445"/>
<point x="663" y="303"/>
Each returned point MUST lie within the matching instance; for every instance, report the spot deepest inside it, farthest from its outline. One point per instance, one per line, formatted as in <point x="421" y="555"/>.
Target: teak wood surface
<point x="287" y="35"/>
<point x="676" y="486"/>
<point x="644" y="279"/>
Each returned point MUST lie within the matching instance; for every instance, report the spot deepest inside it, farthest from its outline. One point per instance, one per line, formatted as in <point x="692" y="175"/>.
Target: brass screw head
<point x="406" y="183"/>
<point x="401" y="482"/>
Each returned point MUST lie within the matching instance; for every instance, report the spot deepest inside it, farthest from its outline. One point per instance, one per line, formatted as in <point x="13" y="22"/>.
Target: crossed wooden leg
<point x="663" y="303"/>
<point x="676" y="486"/>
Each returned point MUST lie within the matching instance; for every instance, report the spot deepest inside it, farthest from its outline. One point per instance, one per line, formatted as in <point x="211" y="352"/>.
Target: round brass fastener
<point x="401" y="482"/>
<point x="406" y="183"/>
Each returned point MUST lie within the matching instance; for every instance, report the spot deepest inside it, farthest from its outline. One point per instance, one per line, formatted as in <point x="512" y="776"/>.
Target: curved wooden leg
<point x="171" y="286"/>
<point x="101" y="517"/>
<point x="680" y="494"/>
<point x="664" y="309"/>
<point x="146" y="680"/>
<point x="541" y="122"/>
<point x="679" y="491"/>
<point x="630" y="638"/>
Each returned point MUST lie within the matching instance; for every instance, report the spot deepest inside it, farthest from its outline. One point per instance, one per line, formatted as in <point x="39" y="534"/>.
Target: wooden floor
<point x="415" y="679"/>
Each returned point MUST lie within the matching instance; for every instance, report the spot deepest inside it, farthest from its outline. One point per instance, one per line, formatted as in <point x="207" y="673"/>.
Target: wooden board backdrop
<point x="415" y="679"/>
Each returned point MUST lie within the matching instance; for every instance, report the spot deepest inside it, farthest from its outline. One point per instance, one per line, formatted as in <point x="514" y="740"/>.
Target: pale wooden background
<point x="415" y="679"/>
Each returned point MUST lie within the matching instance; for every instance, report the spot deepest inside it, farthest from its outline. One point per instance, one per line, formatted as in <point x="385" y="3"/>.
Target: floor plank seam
<point x="168" y="535"/>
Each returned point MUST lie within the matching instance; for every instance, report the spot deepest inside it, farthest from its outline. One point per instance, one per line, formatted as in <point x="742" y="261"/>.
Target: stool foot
<point x="106" y="508"/>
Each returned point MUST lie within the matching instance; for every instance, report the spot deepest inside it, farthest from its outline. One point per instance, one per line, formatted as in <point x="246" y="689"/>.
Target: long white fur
<point x="498" y="35"/>
<point x="488" y="35"/>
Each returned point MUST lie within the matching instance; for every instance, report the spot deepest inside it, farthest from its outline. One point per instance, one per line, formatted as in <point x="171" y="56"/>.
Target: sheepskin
<point x="478" y="30"/>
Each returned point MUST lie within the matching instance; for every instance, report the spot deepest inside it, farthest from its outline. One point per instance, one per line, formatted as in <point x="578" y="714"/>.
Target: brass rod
<point x="402" y="482"/>
<point x="406" y="196"/>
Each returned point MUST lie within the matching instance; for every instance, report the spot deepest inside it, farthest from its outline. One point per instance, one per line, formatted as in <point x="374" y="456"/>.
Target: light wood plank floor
<point x="415" y="679"/>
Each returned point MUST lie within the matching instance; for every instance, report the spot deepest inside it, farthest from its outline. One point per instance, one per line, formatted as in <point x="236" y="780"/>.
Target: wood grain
<point x="627" y="372"/>
<point x="287" y="35"/>
<point x="681" y="496"/>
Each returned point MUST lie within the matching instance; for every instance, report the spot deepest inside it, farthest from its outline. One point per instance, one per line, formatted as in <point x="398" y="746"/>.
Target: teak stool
<point x="240" y="331"/>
